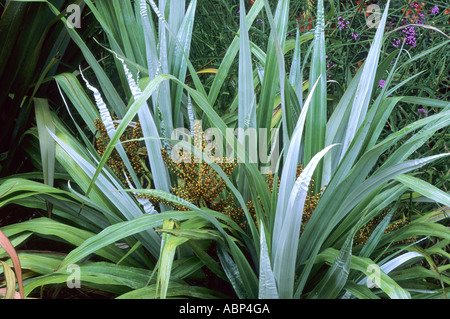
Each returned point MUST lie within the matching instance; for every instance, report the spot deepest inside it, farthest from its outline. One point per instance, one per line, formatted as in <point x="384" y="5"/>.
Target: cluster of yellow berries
<point x="364" y="233"/>
<point x="198" y="183"/>
<point x="236" y="213"/>
<point x="133" y="149"/>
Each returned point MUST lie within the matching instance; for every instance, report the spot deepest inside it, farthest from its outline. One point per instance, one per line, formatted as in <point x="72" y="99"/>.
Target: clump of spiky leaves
<point x="287" y="259"/>
<point x="290" y="261"/>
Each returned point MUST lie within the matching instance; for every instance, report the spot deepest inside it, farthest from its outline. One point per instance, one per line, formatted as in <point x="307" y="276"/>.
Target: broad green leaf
<point x="267" y="284"/>
<point x="360" y="291"/>
<point x="169" y="245"/>
<point x="296" y="72"/>
<point x="336" y="277"/>
<point x="290" y="168"/>
<point x="72" y="235"/>
<point x="115" y="233"/>
<point x="175" y="290"/>
<point x="378" y="179"/>
<point x="336" y="126"/>
<point x="44" y="122"/>
<point x="416" y="230"/>
<point x="232" y="272"/>
<point x="424" y="188"/>
<point x="367" y="266"/>
<point x="180" y="48"/>
<point x="274" y="72"/>
<point x="10" y="279"/>
<point x="364" y="91"/>
<point x="287" y="238"/>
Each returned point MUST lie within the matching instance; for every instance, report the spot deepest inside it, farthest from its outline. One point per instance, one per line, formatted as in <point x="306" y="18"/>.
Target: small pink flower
<point x="423" y="111"/>
<point x="343" y="24"/>
<point x="396" y="43"/>
<point x="434" y="10"/>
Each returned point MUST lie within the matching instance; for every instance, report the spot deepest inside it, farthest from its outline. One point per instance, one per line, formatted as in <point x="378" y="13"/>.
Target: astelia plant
<point x="275" y="256"/>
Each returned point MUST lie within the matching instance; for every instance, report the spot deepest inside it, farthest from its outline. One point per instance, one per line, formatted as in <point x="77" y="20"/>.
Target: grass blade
<point x="315" y="126"/>
<point x="424" y="188"/>
<point x="246" y="91"/>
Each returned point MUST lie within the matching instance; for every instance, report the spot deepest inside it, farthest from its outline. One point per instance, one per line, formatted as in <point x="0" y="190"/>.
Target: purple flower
<point x="260" y="21"/>
<point x="381" y="83"/>
<point x="329" y="64"/>
<point x="355" y="35"/>
<point x="396" y="43"/>
<point x="423" y="111"/>
<point x="343" y="24"/>
<point x="434" y="10"/>
<point x="422" y="18"/>
<point x="410" y="33"/>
